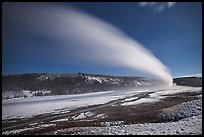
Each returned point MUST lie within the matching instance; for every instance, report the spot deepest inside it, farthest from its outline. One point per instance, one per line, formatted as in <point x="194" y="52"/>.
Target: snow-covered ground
<point x="27" y="107"/>
<point x="187" y="126"/>
<point x="158" y="95"/>
<point x="192" y="124"/>
<point x="83" y="115"/>
<point x="142" y="100"/>
<point x="182" y="117"/>
<point x="22" y="94"/>
<point x="184" y="110"/>
<point x="13" y="132"/>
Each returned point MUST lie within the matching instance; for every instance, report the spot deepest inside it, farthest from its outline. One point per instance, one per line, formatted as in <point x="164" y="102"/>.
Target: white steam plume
<point x="92" y="38"/>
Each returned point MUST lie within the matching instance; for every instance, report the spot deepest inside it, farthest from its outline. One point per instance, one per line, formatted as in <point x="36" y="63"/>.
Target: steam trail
<point x="92" y="38"/>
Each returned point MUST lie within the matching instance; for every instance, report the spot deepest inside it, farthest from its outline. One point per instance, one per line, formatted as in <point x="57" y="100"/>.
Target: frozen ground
<point x="187" y="126"/>
<point x="28" y="107"/>
<point x="192" y="124"/>
<point x="22" y="94"/>
<point x="172" y="110"/>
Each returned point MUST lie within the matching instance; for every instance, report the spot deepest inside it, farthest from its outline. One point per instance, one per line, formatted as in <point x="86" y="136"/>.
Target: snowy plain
<point x="188" y="114"/>
<point x="28" y="107"/>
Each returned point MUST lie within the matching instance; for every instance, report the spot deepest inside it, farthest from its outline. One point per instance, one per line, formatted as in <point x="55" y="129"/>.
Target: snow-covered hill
<point x="28" y="85"/>
<point x="42" y="84"/>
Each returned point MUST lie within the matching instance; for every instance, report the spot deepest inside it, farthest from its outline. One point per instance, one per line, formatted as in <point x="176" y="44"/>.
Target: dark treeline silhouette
<point x="80" y="82"/>
<point x="68" y="83"/>
<point x="189" y="81"/>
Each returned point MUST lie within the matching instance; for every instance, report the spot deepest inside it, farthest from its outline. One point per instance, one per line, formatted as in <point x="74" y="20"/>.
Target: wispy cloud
<point x="194" y="75"/>
<point x="157" y="6"/>
<point x="171" y="4"/>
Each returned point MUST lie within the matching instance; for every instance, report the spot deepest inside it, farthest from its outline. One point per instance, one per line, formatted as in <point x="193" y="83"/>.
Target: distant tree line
<point x="64" y="83"/>
<point x="189" y="81"/>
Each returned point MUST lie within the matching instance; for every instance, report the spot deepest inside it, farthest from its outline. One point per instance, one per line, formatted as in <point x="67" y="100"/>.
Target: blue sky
<point x="172" y="32"/>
